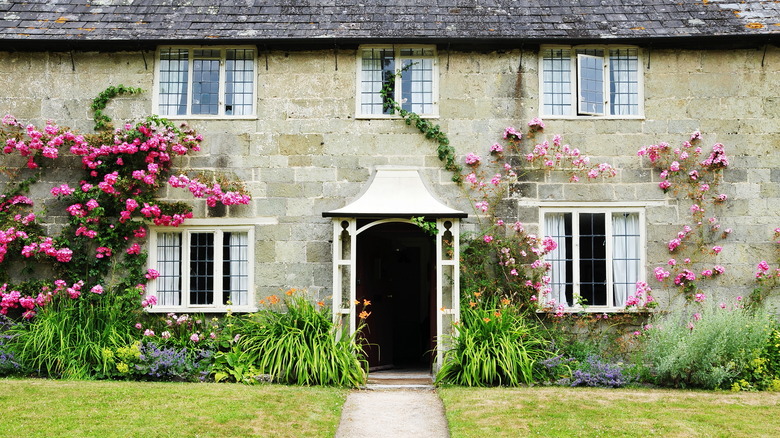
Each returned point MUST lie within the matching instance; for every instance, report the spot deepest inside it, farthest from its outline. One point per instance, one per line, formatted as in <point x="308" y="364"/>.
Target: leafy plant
<point x="495" y="345"/>
<point x="99" y="103"/>
<point x="68" y="337"/>
<point x="596" y="372"/>
<point x="166" y="363"/>
<point x="232" y="366"/>
<point x="710" y="348"/>
<point x="444" y="150"/>
<point x="295" y="342"/>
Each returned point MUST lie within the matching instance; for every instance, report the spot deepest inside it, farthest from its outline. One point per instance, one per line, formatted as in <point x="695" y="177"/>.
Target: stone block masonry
<point x="306" y="152"/>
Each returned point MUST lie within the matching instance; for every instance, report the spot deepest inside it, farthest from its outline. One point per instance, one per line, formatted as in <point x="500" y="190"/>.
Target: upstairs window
<point x="414" y="90"/>
<point x="206" y="82"/>
<point x="202" y="269"/>
<point x="599" y="257"/>
<point x="601" y="81"/>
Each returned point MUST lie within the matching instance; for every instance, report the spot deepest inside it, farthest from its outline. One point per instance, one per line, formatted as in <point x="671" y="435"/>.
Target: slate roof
<point x="84" y="21"/>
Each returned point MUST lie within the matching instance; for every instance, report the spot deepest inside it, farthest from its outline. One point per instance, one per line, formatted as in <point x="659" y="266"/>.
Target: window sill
<point x="202" y="117"/>
<point x="392" y="116"/>
<point x="596" y="309"/>
<point x="203" y="309"/>
<point x="543" y="117"/>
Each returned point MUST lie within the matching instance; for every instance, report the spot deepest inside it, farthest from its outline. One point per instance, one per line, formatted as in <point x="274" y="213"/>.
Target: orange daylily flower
<point x="486" y="319"/>
<point x="364" y="315"/>
<point x="477" y="294"/>
<point x="505" y="301"/>
<point x="321" y="303"/>
<point x="472" y="304"/>
<point x="366" y="302"/>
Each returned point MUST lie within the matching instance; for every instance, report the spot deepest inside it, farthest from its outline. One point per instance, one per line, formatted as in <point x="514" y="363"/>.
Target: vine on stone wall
<point x="99" y="103"/>
<point x="444" y="150"/>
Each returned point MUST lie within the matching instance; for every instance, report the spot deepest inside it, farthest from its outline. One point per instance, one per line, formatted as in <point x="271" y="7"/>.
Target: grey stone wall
<point x="306" y="153"/>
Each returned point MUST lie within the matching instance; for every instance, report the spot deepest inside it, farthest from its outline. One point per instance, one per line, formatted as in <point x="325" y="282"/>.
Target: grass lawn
<point x="583" y="412"/>
<point x="38" y="407"/>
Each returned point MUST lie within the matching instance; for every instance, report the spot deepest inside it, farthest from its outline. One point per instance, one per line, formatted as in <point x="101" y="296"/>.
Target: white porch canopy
<point x="396" y="192"/>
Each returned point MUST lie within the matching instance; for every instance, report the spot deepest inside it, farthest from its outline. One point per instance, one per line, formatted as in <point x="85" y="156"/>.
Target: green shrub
<point x="70" y="338"/>
<point x="710" y="346"/>
<point x="495" y="345"/>
<point x="301" y="345"/>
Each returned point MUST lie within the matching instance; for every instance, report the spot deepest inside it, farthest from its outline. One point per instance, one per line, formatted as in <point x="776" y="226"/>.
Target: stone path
<point x="394" y="405"/>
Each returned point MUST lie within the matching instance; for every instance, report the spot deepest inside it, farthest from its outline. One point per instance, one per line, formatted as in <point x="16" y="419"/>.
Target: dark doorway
<point x="395" y="272"/>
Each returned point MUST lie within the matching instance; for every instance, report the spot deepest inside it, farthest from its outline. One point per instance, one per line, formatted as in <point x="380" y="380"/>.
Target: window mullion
<point x="185" y="269"/>
<point x="217" y="293"/>
<point x="575" y="257"/>
<point x="574" y="80"/>
<point x="399" y="65"/>
<point x="221" y="81"/>
<point x="190" y="79"/>
<point x="608" y="240"/>
<point x="606" y="70"/>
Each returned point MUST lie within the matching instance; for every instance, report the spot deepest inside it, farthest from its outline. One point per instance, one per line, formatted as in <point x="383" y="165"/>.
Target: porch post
<point x="344" y="281"/>
<point x="447" y="283"/>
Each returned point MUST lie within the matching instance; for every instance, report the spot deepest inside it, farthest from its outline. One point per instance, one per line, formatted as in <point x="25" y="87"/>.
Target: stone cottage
<point x="287" y="96"/>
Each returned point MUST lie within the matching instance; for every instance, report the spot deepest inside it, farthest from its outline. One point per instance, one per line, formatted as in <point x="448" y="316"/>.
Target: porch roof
<point x="396" y="192"/>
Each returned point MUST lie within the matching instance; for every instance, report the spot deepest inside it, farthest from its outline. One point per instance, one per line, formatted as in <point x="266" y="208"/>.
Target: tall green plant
<point x="69" y="338"/>
<point x="705" y="347"/>
<point x="495" y="346"/>
<point x="301" y="345"/>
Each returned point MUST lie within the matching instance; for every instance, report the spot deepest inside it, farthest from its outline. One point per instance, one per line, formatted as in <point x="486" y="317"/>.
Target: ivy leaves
<point x="99" y="103"/>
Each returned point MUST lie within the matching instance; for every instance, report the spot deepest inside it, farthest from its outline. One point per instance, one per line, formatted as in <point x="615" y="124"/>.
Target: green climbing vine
<point x="102" y="121"/>
<point x="444" y="150"/>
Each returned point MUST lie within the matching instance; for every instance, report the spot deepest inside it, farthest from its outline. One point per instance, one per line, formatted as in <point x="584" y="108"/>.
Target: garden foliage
<point x="496" y="345"/>
<point x="710" y="346"/>
<point x="302" y="345"/>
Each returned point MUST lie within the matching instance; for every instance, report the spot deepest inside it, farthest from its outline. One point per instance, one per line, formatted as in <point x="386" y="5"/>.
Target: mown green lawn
<point x="586" y="412"/>
<point x="38" y="408"/>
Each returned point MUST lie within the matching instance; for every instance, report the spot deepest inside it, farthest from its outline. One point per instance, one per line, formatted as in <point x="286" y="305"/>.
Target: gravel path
<point x="393" y="413"/>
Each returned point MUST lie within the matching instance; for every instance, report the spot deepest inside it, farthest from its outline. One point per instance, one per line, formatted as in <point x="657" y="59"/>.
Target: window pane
<point x="591" y="84"/>
<point x="593" y="259"/>
<point x="556" y="85"/>
<point x="174" y="68"/>
<point x="169" y="267"/>
<point x="202" y="268"/>
<point x="623" y="79"/>
<point x="235" y="282"/>
<point x="378" y="70"/>
<point x="239" y="81"/>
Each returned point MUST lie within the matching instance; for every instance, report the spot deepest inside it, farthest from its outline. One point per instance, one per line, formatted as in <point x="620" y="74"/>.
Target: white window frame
<point x="609" y="251"/>
<point x="576" y="110"/>
<point x="186" y="306"/>
<point x="399" y="58"/>
<point x="222" y="77"/>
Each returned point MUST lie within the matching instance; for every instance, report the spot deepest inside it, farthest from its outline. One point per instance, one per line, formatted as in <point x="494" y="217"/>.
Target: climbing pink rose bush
<point x="107" y="209"/>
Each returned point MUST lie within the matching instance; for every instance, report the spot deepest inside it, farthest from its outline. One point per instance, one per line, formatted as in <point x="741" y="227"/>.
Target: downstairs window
<point x="202" y="269"/>
<point x="599" y="257"/>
